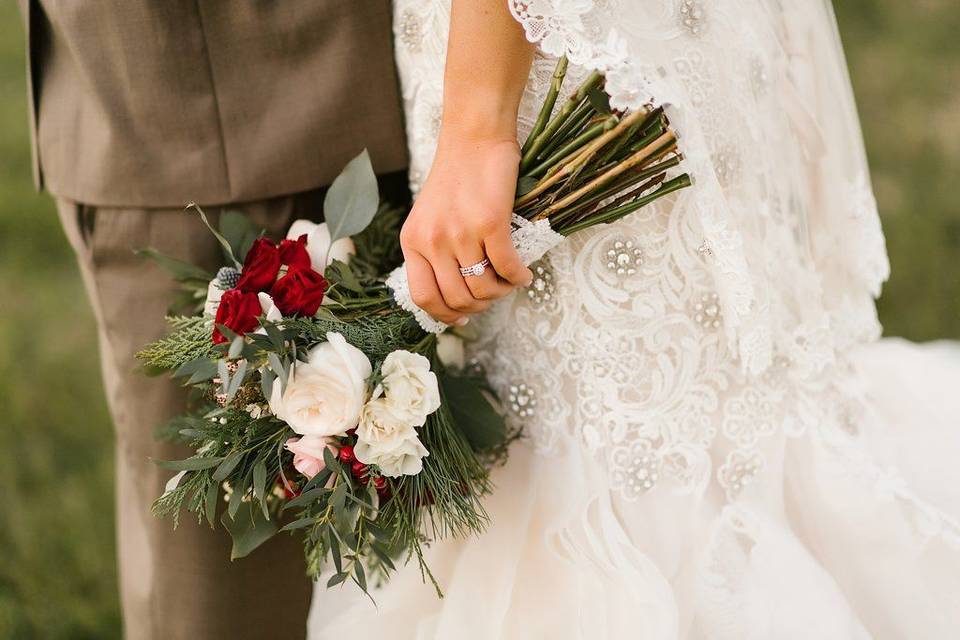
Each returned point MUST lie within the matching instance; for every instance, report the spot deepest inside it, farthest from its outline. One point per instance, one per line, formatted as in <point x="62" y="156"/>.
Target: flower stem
<point x="538" y="143"/>
<point x="559" y="73"/>
<point x="666" y="140"/>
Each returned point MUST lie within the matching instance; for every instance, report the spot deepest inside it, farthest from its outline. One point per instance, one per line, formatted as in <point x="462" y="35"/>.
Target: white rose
<point x="318" y="244"/>
<point x="324" y="395"/>
<point x="388" y="441"/>
<point x="450" y="350"/>
<point x="212" y="303"/>
<point x="409" y="387"/>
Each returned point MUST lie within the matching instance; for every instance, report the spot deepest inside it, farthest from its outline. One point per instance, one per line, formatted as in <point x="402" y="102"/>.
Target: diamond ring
<point x="475" y="269"/>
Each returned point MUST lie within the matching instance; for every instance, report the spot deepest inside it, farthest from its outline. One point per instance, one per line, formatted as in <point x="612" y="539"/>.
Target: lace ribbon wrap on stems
<point x="532" y="240"/>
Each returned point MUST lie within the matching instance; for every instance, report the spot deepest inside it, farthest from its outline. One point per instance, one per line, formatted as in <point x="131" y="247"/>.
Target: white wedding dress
<point x="718" y="445"/>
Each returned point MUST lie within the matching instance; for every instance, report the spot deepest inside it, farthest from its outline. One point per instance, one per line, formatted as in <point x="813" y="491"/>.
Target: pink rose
<point x="308" y="453"/>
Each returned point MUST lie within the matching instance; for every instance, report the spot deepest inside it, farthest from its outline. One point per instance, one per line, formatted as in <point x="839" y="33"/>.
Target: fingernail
<point x="461" y="321"/>
<point x="529" y="279"/>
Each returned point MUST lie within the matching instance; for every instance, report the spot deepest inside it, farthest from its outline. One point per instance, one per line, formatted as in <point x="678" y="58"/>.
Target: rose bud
<point x="260" y="267"/>
<point x="238" y="312"/>
<point x="346" y="453"/>
<point x="299" y="292"/>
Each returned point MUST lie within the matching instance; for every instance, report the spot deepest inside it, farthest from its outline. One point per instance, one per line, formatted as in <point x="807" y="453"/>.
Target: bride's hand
<point x="462" y="216"/>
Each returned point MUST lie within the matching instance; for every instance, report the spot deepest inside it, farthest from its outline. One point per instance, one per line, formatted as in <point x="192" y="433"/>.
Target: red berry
<point x="346" y="453"/>
<point x="380" y="483"/>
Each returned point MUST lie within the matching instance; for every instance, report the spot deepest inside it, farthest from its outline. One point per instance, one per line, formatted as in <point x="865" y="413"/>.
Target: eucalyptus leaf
<point x="239" y="232"/>
<point x="318" y="480"/>
<point x="472" y="412"/>
<point x="278" y="368"/>
<point x="299" y="524"/>
<point x="337" y="578"/>
<point x="236" y="499"/>
<point x="352" y="199"/>
<point x="224" y="374"/>
<point x="266" y="382"/>
<point x="361" y="576"/>
<point x="334" y="549"/>
<point x="305" y="498"/>
<point x="237" y="380"/>
<point x="207" y="372"/>
<point x="275" y="336"/>
<point x="384" y="556"/>
<point x="235" y="347"/>
<point x="227" y="466"/>
<point x="260" y="480"/>
<point x="338" y="500"/>
<point x="210" y="503"/>
<point x="199" y="366"/>
<point x="248" y="528"/>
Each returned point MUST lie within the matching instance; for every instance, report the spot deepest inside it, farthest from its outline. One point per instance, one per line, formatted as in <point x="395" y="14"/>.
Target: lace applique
<point x="686" y="337"/>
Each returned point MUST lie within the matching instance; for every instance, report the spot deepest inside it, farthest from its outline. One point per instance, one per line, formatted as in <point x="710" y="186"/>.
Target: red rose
<point x="293" y="253"/>
<point x="238" y="312"/>
<point x="260" y="267"/>
<point x="299" y="292"/>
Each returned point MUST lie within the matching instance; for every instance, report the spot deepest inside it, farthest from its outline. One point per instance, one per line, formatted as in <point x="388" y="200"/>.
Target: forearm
<point x="488" y="62"/>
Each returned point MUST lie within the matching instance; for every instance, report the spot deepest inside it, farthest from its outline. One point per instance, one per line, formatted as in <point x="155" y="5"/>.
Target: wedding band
<point x="475" y="269"/>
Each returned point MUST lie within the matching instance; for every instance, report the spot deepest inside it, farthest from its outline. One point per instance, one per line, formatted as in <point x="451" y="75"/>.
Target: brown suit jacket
<point x="159" y="102"/>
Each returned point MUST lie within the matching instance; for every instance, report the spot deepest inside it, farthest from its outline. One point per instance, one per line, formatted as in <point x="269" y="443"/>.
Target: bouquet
<point x="324" y="402"/>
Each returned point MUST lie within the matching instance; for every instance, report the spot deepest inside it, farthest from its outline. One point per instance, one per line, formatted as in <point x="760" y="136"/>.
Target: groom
<point x="137" y="108"/>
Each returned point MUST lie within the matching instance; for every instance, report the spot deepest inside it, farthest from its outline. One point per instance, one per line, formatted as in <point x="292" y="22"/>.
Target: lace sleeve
<point x="583" y="31"/>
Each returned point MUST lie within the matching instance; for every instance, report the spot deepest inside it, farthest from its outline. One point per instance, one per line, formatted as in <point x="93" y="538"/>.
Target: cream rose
<point x="388" y="441"/>
<point x="324" y="395"/>
<point x="409" y="387"/>
<point x="318" y="244"/>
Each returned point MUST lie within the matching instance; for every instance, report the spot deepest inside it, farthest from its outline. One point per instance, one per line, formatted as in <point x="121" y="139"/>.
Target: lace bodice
<point x="673" y="345"/>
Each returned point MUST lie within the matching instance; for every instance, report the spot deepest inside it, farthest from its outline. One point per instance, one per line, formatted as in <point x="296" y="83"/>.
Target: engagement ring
<point x="475" y="269"/>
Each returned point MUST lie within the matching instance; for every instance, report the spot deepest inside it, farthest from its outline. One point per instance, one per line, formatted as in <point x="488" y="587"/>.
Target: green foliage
<point x="239" y="232"/>
<point x="352" y="200"/>
<point x="189" y="340"/>
<point x="378" y="246"/>
<point x="376" y="336"/>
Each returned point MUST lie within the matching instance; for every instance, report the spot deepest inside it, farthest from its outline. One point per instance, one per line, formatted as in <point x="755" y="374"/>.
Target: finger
<point x="426" y="293"/>
<point x="505" y="259"/>
<point x="456" y="293"/>
<point x="487" y="286"/>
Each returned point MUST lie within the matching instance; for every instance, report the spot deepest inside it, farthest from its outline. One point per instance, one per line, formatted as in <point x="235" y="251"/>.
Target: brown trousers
<point x="176" y="584"/>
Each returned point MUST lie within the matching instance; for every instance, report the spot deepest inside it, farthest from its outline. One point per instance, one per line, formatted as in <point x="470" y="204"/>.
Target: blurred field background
<point x="57" y="577"/>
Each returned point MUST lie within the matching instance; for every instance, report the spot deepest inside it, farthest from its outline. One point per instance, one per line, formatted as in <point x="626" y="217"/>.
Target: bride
<point x="717" y="444"/>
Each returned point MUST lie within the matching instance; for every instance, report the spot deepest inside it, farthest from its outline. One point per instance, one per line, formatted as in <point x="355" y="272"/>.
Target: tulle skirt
<point x="848" y="537"/>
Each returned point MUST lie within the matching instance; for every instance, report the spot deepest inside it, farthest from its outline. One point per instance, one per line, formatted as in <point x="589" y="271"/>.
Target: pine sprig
<point x="188" y="340"/>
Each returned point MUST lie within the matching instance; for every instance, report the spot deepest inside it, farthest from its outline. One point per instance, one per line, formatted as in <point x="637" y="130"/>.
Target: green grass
<point x="57" y="576"/>
<point x="905" y="61"/>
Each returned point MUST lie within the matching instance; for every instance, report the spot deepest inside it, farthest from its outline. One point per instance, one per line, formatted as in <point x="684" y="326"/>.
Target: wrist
<point x="479" y="118"/>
